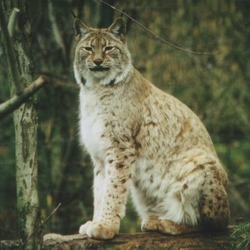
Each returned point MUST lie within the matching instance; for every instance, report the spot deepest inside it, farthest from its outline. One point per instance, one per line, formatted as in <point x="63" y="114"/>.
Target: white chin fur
<point x="103" y="77"/>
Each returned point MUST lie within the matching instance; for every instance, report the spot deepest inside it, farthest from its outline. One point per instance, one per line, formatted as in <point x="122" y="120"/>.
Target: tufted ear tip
<point x="80" y="28"/>
<point x="118" y="27"/>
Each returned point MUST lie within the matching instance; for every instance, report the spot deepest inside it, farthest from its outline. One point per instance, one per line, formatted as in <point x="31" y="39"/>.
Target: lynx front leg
<point x="99" y="182"/>
<point x="118" y="174"/>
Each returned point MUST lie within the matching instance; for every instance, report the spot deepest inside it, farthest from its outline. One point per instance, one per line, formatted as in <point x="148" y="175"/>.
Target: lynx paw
<point x="169" y="227"/>
<point x="149" y="225"/>
<point x="98" y="230"/>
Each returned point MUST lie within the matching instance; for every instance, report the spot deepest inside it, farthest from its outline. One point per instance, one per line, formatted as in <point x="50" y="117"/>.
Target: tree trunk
<point x="25" y="123"/>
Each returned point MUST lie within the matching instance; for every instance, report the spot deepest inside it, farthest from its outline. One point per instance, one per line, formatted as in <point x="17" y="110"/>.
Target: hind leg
<point x="177" y="210"/>
<point x="150" y="224"/>
<point x="155" y="224"/>
<point x="180" y="213"/>
<point x="196" y="199"/>
<point x="170" y="227"/>
<point x="214" y="206"/>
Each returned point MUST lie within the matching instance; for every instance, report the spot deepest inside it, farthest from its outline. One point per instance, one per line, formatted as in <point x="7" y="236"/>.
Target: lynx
<point x="144" y="142"/>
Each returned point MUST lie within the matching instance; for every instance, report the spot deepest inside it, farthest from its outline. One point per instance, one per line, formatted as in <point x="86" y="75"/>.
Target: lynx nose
<point x="98" y="61"/>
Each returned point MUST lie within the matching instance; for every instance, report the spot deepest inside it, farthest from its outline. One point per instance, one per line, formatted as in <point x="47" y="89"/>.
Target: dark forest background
<point x="215" y="86"/>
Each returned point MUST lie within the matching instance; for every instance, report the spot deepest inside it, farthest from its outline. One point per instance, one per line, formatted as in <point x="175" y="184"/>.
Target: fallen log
<point x="150" y="241"/>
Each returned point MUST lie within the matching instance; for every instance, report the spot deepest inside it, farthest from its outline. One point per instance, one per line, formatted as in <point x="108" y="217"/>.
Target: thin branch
<point x="10" y="52"/>
<point x="51" y="214"/>
<point x="155" y="36"/>
<point x="12" y="21"/>
<point x="17" y="100"/>
<point x="62" y="81"/>
<point x="40" y="226"/>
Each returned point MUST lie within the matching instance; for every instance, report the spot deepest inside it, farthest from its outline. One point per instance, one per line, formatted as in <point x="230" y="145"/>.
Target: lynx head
<point x="101" y="55"/>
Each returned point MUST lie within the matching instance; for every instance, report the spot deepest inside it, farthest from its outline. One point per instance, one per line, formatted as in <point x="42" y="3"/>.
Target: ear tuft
<point x="118" y="27"/>
<point x="80" y="28"/>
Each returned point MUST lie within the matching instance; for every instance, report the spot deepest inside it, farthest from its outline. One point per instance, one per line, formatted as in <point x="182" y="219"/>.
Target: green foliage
<point x="241" y="237"/>
<point x="216" y="87"/>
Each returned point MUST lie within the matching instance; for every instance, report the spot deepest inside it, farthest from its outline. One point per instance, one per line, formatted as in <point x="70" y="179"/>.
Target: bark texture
<point x="26" y="173"/>
<point x="150" y="241"/>
<point x="25" y="123"/>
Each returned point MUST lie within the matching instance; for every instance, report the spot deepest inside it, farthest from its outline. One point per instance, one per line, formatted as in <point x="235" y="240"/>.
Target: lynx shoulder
<point x="144" y="142"/>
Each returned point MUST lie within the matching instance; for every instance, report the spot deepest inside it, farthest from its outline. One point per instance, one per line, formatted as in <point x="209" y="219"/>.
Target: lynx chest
<point x="92" y="125"/>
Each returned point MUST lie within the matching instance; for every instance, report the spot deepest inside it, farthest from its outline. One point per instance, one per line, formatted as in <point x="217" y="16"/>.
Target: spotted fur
<point x="143" y="141"/>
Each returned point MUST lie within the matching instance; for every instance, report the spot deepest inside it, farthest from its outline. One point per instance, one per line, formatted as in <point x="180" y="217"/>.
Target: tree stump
<point x="150" y="241"/>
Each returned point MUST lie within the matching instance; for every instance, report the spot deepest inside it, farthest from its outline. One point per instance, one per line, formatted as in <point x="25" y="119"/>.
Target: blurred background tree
<point x="216" y="87"/>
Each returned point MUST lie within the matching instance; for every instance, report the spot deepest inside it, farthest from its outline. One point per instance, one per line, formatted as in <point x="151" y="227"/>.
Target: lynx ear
<point x="118" y="28"/>
<point x="81" y="28"/>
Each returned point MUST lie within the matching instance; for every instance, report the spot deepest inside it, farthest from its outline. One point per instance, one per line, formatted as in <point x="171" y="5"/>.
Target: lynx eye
<point x="89" y="49"/>
<point x="109" y="48"/>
